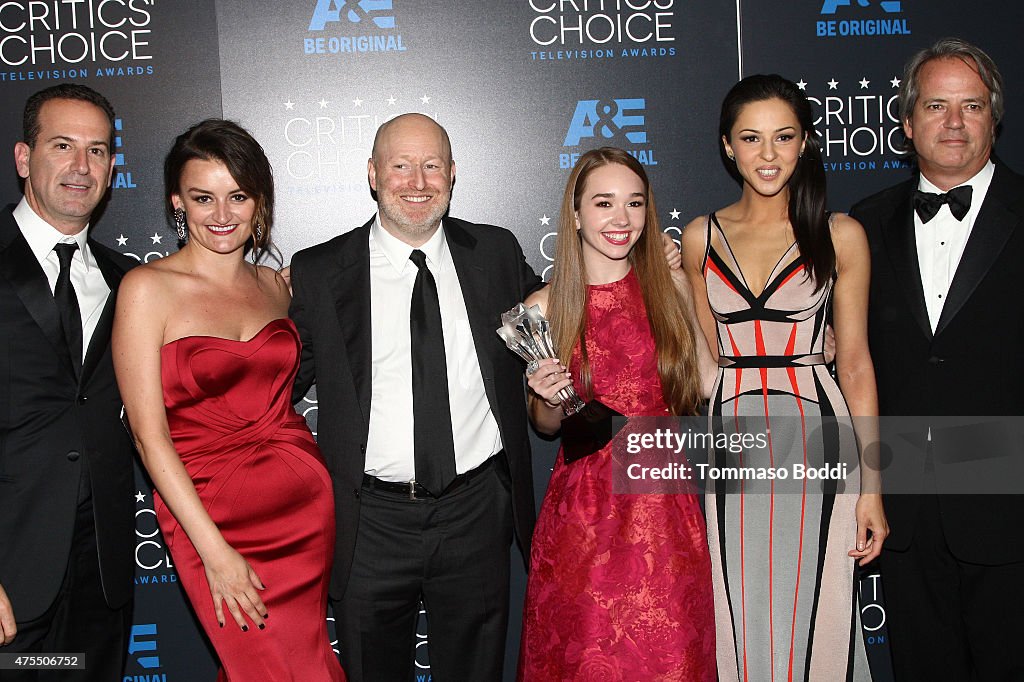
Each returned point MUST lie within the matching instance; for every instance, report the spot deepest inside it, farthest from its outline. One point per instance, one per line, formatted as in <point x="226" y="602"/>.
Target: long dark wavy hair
<point x="807" y="187"/>
<point x="216" y="139"/>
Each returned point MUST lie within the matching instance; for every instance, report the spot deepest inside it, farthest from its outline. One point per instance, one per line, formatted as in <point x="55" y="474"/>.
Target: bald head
<point x="410" y="125"/>
<point x="412" y="172"/>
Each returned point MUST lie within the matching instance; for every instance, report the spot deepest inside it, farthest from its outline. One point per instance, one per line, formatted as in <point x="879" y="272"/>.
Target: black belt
<point x="415" y="491"/>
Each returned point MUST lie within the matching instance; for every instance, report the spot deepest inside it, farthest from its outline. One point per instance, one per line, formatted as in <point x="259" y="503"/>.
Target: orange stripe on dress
<point x="759" y="345"/>
<point x="743" y="549"/>
<point x="791" y="371"/>
<point x="710" y="265"/>
<point x="789" y="277"/>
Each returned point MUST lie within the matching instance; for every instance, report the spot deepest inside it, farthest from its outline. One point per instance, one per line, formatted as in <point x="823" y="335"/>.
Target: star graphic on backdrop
<point x="357" y="102"/>
<point x="833" y="84"/>
<point x="289" y="105"/>
<point x="545" y="220"/>
<point x="674" y="213"/>
<point x="323" y="103"/>
<point x="895" y="82"/>
<point x="391" y="101"/>
<point x="802" y="84"/>
<point x="122" y="240"/>
<point x="140" y="497"/>
<point x="864" y="83"/>
<point x="425" y="99"/>
<point x="157" y="239"/>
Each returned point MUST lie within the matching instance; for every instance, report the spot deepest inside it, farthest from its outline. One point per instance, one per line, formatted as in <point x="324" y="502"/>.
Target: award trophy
<point x="587" y="427"/>
<point x="528" y="334"/>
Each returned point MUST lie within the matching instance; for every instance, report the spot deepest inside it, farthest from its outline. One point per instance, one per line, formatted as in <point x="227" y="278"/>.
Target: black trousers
<point x="950" y="619"/>
<point x="453" y="553"/>
<point x="79" y="620"/>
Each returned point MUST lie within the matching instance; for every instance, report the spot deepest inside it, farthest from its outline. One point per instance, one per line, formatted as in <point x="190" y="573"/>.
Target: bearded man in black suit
<point x="946" y="328"/>
<point x="422" y="416"/>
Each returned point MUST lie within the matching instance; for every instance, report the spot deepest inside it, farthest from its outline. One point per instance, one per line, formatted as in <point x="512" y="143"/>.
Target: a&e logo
<point x="829" y="6"/>
<point x="883" y="24"/>
<point x="355" y="11"/>
<point x="142" y="650"/>
<point x="363" y="15"/>
<point x="612" y="121"/>
<point x="122" y="178"/>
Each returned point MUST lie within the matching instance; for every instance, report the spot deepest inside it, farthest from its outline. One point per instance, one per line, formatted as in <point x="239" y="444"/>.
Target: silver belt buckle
<point x="412" y="489"/>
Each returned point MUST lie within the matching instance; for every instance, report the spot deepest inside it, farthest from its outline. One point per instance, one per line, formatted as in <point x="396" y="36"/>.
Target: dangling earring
<point x="731" y="157"/>
<point x="179" y="222"/>
<point x="258" y="231"/>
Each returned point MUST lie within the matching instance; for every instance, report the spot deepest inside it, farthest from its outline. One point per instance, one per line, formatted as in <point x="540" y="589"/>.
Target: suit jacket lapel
<point x="901" y="246"/>
<point x="101" y="335"/>
<point x="992" y="228"/>
<point x="352" y="302"/>
<point x="19" y="266"/>
<point x="475" y="292"/>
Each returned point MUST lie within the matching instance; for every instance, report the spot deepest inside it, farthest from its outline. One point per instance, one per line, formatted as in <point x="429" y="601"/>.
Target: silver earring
<point x="258" y="230"/>
<point x="179" y="222"/>
<point x="731" y="158"/>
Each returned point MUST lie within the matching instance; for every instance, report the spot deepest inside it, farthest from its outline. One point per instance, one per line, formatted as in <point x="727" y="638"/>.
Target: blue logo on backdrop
<point x="614" y="122"/>
<point x="882" y="24"/>
<point x="329" y="10"/>
<point x="122" y="178"/>
<point x="142" y="651"/>
<point x="353" y="15"/>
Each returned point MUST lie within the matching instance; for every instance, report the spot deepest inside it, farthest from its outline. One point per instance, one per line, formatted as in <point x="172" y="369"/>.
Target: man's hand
<point x="8" y="628"/>
<point x="286" y="275"/>
<point x="830" y="344"/>
<point x="672" y="253"/>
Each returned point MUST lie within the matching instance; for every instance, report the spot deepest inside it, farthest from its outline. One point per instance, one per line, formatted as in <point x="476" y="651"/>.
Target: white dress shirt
<point x="389" y="447"/>
<point x="941" y="241"/>
<point x="86" y="277"/>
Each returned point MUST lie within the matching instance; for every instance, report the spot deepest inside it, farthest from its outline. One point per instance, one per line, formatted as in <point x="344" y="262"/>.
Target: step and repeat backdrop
<point x="523" y="87"/>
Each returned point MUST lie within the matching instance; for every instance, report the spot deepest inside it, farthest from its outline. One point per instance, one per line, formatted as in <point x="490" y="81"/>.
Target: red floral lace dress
<point x="619" y="585"/>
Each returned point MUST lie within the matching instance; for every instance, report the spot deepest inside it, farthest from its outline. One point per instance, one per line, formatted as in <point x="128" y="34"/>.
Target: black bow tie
<point x="927" y="204"/>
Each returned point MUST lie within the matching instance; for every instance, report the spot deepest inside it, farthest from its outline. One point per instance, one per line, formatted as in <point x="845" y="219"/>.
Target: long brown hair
<point x="232" y="145"/>
<point x="674" y="338"/>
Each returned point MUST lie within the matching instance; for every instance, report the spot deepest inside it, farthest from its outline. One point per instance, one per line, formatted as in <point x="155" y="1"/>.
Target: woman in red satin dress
<point x="205" y="357"/>
<point x="619" y="585"/>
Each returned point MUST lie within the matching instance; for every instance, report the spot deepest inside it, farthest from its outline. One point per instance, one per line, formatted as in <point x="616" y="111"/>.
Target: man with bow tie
<point x="946" y="329"/>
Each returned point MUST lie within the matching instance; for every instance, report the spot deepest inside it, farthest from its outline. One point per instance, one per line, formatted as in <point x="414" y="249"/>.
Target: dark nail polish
<point x="265" y="615"/>
<point x="245" y="628"/>
<point x="262" y="626"/>
<point x="221" y="624"/>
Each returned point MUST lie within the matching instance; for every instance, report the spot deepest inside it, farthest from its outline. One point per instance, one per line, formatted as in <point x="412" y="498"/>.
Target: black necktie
<point x="433" y="444"/>
<point x="927" y="204"/>
<point x="67" y="304"/>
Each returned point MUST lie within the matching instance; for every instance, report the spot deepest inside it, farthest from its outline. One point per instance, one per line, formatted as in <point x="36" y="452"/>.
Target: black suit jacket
<point x="331" y="307"/>
<point x="51" y="426"/>
<point x="973" y="365"/>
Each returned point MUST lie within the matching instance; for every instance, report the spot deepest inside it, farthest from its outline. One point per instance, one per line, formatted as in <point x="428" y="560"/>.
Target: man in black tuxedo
<point x="66" y="516"/>
<point x="946" y="333"/>
<point x="422" y="416"/>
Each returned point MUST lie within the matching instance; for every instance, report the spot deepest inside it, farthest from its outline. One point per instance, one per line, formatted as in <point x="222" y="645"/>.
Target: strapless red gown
<point x="261" y="477"/>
